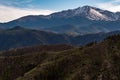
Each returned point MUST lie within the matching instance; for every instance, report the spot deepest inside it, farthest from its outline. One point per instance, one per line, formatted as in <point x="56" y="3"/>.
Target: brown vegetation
<point x="100" y="61"/>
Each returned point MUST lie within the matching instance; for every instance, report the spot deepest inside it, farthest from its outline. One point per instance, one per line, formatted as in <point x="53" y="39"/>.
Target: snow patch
<point x="95" y="15"/>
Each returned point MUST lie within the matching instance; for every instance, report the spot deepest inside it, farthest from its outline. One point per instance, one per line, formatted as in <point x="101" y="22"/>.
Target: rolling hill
<point x="91" y="62"/>
<point x="18" y="37"/>
<point x="21" y="37"/>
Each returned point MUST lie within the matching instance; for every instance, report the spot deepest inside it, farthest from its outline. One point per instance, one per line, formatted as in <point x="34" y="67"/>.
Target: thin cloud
<point x="10" y="13"/>
<point x="15" y="2"/>
<point x="113" y="5"/>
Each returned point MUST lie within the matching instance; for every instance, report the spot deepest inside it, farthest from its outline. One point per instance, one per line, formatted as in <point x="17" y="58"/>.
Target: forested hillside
<point x="95" y="61"/>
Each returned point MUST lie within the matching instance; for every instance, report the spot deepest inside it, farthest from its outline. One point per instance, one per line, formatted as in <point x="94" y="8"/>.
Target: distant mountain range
<point x="82" y="20"/>
<point x="18" y="37"/>
<point x="78" y="26"/>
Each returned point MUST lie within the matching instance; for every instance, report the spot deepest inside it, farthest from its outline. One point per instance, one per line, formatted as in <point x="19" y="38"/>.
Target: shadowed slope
<point x="91" y="62"/>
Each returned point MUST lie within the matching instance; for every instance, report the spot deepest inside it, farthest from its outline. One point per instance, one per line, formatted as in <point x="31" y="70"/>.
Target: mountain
<point x="18" y="37"/>
<point x="22" y="37"/>
<point x="91" y="13"/>
<point x="84" y="20"/>
<point x="99" y="61"/>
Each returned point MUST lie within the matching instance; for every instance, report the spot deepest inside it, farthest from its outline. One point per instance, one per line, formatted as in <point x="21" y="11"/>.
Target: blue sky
<point x="19" y="8"/>
<point x="49" y="4"/>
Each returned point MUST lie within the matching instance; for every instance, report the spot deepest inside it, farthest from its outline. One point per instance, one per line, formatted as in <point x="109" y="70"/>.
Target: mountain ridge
<point x="19" y="37"/>
<point x="89" y="20"/>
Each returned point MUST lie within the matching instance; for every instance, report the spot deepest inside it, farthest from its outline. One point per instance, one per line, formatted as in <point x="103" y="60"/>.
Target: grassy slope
<point x="92" y="62"/>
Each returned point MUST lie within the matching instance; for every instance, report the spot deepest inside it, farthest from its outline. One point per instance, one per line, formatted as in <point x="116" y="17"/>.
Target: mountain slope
<point x="16" y="62"/>
<point x="21" y="37"/>
<point x="18" y="37"/>
<point x="82" y="64"/>
<point x="93" y="62"/>
<point x="85" y="18"/>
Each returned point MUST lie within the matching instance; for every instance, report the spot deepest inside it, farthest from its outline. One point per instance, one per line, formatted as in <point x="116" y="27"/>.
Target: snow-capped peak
<point x="82" y="10"/>
<point x="93" y="13"/>
<point x="96" y="15"/>
<point x="89" y="12"/>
